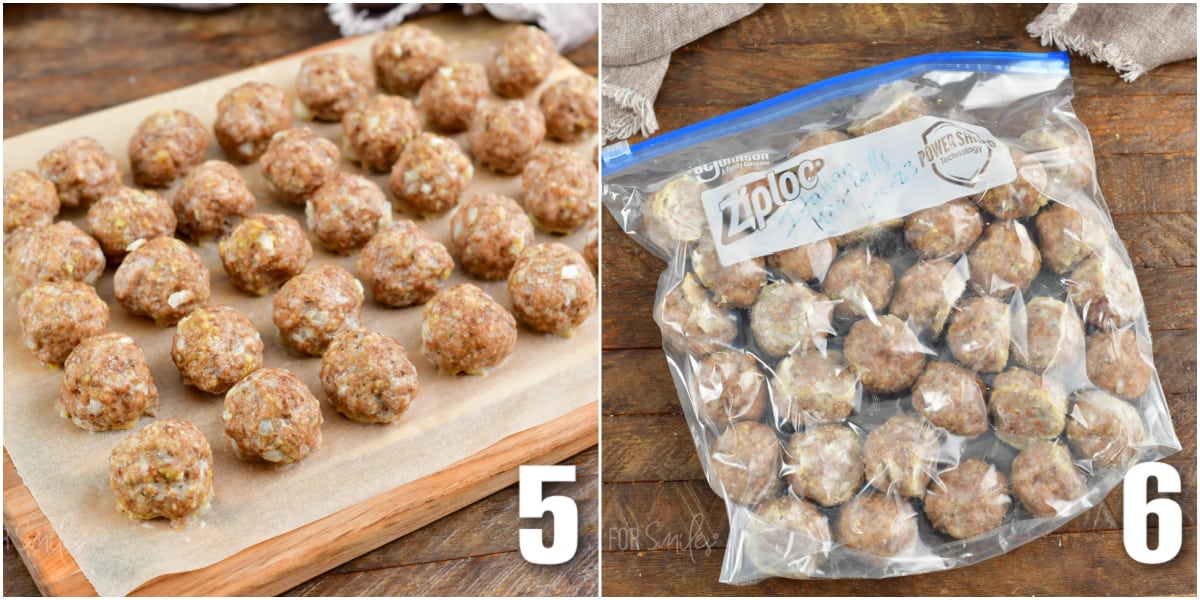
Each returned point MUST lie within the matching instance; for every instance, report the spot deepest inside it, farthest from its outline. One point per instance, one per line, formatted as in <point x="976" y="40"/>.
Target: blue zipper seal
<point x="846" y="84"/>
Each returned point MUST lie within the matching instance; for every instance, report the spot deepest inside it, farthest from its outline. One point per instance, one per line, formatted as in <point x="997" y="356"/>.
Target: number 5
<point x="1137" y="509"/>
<point x="562" y="508"/>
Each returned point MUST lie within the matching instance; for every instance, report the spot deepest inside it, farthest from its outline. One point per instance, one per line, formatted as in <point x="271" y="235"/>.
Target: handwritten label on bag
<point x="842" y="187"/>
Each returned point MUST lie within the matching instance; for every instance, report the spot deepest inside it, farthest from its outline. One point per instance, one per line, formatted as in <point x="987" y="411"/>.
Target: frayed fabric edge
<point x="635" y="115"/>
<point x="1048" y="28"/>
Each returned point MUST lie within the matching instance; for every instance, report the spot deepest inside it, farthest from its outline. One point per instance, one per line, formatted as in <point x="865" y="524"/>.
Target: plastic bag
<point x="903" y="330"/>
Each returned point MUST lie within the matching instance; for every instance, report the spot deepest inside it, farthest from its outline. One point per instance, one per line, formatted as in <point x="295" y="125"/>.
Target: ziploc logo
<point x="753" y="203"/>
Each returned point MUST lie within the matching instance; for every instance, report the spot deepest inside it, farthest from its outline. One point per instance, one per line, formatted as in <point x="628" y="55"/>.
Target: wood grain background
<point x="664" y="530"/>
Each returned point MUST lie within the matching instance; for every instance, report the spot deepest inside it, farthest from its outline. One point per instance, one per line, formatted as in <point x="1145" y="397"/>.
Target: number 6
<point x="562" y="508"/>
<point x="1137" y="509"/>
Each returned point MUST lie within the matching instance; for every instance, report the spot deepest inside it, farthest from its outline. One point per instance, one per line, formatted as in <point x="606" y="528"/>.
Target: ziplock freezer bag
<point x="903" y="330"/>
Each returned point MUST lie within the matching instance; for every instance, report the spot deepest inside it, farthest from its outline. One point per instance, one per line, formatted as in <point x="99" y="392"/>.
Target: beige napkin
<point x="1132" y="38"/>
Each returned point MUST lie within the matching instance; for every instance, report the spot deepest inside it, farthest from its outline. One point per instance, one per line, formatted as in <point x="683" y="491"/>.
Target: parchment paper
<point x="66" y="468"/>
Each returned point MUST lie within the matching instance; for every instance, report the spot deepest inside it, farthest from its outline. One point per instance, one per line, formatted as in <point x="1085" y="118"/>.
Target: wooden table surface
<point x="664" y="530"/>
<point x="65" y="61"/>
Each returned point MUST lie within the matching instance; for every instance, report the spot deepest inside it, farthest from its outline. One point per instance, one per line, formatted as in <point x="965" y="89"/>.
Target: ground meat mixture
<point x="313" y="307"/>
<point x="166" y="145"/>
<point x="816" y="139"/>
<point x="561" y="190"/>
<point x="825" y="464"/>
<point x="861" y="281"/>
<point x="689" y="318"/>
<point x="376" y="130"/>
<point x="968" y="500"/>
<point x="504" y="136"/>
<point x="952" y="398"/>
<point x="746" y="463"/>
<point x="464" y="330"/>
<point x="163" y="470"/>
<point x="1104" y="291"/>
<point x="272" y="415"/>
<point x="887" y="356"/>
<point x="901" y="455"/>
<point x="1066" y="156"/>
<point x="675" y="213"/>
<point x="1027" y="407"/>
<point x="1021" y="198"/>
<point x="736" y="285"/>
<point x="730" y="387"/>
<point x="980" y="334"/>
<point x="1004" y="259"/>
<point x="406" y="56"/>
<point x="403" y="265"/>
<point x="927" y="293"/>
<point x="1045" y="480"/>
<point x="106" y="384"/>
<point x="944" y="231"/>
<point x="551" y="288"/>
<point x="1053" y="336"/>
<point x="248" y="116"/>
<point x="811" y="388"/>
<point x="489" y="232"/>
<point x="328" y="84"/>
<point x="1104" y="429"/>
<point x="790" y="317"/>
<point x="804" y="264"/>
<point x="880" y="525"/>
<point x="430" y="175"/>
<point x="57" y="252"/>
<point x="264" y="251"/>
<point x="368" y="377"/>
<point x="525" y="58"/>
<point x="162" y="279"/>
<point x="29" y="201"/>
<point x="297" y="162"/>
<point x="81" y="170"/>
<point x="129" y="215"/>
<point x="1066" y="237"/>
<point x="870" y="234"/>
<point x="56" y="316"/>
<point x="215" y="347"/>
<point x="887" y="112"/>
<point x="1117" y="361"/>
<point x="788" y="537"/>
<point x="449" y="96"/>
<point x="591" y="250"/>
<point x="210" y="198"/>
<point x="572" y="108"/>
<point x="347" y="212"/>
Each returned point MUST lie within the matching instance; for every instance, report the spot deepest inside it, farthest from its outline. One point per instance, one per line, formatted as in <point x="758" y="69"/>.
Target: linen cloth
<point x="569" y="25"/>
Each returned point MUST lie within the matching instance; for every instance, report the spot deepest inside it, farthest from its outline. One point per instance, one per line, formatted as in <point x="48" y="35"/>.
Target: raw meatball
<point x="688" y="317"/>
<point x="561" y="190"/>
<point x="571" y="107"/>
<point x="878" y="524"/>
<point x="464" y="330"/>
<point x="745" y="463"/>
<point x="56" y="316"/>
<point x="328" y="84"/>
<point x="1104" y="429"/>
<point x="675" y="213"/>
<point x="523" y="61"/>
<point x="968" y="500"/>
<point x="887" y="356"/>
<point x="29" y="201"/>
<point x="166" y="145"/>
<point x="944" y="231"/>
<point x="825" y="464"/>
<point x="591" y="250"/>
<point x="860" y="280"/>
<point x="106" y="384"/>
<point x="1065" y="154"/>
<point x="430" y="175"/>
<point x="1053" y="336"/>
<point x="1005" y="259"/>
<point x="790" y="317"/>
<point x="248" y="116"/>
<point x="1045" y="480"/>
<point x="816" y="139"/>
<point x="163" y="470"/>
<point x="368" y="377"/>
<point x="264" y="251"/>
<point x="1116" y="361"/>
<point x="811" y="388"/>
<point x="730" y="387"/>
<point x="118" y="220"/>
<point x="162" y="279"/>
<point x="888" y="112"/>
<point x="787" y="537"/>
<point x="1105" y="291"/>
<point x="449" y="96"/>
<point x="901" y="455"/>
<point x="1066" y="237"/>
<point x="403" y="265"/>
<point x="926" y="294"/>
<point x="489" y="232"/>
<point x="952" y="398"/>
<point x="376" y="130"/>
<point x="406" y="56"/>
<point x="347" y="212"/>
<point x="271" y="415"/>
<point x="1021" y="198"/>
<point x="804" y="264"/>
<point x="979" y="334"/>
<point x="297" y="162"/>
<point x="81" y="170"/>
<point x="736" y="285"/>
<point x="1027" y="407"/>
<point x="505" y="135"/>
<point x="551" y="288"/>
<point x="56" y="252"/>
<point x="210" y="198"/>
<point x="313" y="307"/>
<point x="215" y="347"/>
